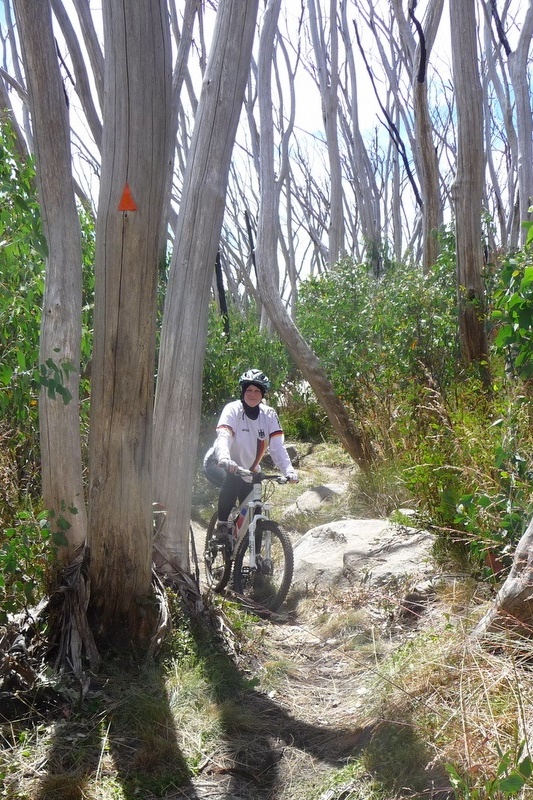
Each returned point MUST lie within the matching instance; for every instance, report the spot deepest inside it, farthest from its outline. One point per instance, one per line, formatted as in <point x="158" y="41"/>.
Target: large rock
<point x="361" y="550"/>
<point x="311" y="500"/>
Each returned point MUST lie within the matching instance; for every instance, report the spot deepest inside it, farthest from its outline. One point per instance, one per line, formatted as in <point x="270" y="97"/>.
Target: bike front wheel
<point x="268" y="583"/>
<point x="217" y="559"/>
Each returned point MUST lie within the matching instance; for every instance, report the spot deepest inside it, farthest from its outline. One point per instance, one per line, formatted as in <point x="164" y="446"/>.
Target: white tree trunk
<point x="518" y="68"/>
<point x="61" y="462"/>
<point x="512" y="609"/>
<point x="469" y="181"/>
<point x="135" y="154"/>
<point x="366" y="192"/>
<point x="82" y="85"/>
<point x="267" y="255"/>
<point x="197" y="240"/>
<point x="327" y="58"/>
<point x="427" y="161"/>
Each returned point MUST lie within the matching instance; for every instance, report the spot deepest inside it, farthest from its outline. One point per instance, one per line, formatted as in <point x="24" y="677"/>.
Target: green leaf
<point x="512" y="784"/>
<point x="64" y="393"/>
<point x="63" y="524"/>
<point x="528" y="277"/>
<point x="526" y="767"/>
<point x="6" y="374"/>
<point x="59" y="539"/>
<point x="21" y="359"/>
<point x="504" y="336"/>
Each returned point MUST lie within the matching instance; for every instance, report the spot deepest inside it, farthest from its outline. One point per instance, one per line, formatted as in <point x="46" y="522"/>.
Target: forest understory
<point x="336" y="697"/>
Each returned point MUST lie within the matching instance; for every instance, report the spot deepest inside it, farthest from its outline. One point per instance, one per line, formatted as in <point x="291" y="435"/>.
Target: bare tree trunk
<point x="518" y="68"/>
<point x="83" y="88"/>
<point x="494" y="85"/>
<point x="364" y="181"/>
<point x="184" y="330"/>
<point x="92" y="45"/>
<point x="328" y="77"/>
<point x="180" y="68"/>
<point x="135" y="156"/>
<point x="266" y="254"/>
<point x="425" y="153"/>
<point x="468" y="187"/>
<point x="512" y="608"/>
<point x="428" y="167"/>
<point x="60" y="339"/>
<point x="13" y="40"/>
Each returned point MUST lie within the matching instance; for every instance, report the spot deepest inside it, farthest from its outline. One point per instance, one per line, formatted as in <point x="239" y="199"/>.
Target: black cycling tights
<point x="232" y="488"/>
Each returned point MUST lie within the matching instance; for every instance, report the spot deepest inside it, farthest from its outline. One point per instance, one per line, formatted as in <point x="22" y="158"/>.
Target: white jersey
<point x="245" y="440"/>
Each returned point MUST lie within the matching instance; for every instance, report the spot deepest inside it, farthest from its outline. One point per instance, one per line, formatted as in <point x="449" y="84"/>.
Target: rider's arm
<point x="223" y="444"/>
<point x="226" y="428"/>
<point x="280" y="456"/>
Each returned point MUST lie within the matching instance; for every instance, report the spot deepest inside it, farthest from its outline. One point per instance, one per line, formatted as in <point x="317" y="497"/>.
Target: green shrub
<point x="23" y="250"/>
<point x="22" y="253"/>
<point x="382" y="341"/>
<point x="25" y="563"/>
<point x="390" y="347"/>
<point x="513" y="312"/>
<point x="302" y="416"/>
<point x="228" y="356"/>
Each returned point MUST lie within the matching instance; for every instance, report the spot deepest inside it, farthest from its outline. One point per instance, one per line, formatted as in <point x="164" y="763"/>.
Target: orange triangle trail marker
<point x="127" y="203"/>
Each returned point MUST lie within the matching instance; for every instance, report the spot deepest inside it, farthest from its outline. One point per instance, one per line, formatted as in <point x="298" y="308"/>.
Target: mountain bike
<point x="260" y="551"/>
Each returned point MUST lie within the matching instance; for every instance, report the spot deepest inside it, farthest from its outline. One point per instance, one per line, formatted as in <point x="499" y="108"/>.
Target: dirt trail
<point x="303" y="720"/>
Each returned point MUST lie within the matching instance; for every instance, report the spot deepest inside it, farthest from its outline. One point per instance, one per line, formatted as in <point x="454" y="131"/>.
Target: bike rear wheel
<point x="269" y="582"/>
<point x="217" y="559"/>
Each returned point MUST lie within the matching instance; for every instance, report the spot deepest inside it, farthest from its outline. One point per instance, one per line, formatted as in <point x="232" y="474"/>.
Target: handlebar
<point x="259" y="477"/>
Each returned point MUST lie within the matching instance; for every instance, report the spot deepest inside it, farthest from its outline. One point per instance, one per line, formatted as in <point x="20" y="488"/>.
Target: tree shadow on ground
<point x="123" y="737"/>
<point x="400" y="762"/>
<point x="126" y="736"/>
<point x="258" y="731"/>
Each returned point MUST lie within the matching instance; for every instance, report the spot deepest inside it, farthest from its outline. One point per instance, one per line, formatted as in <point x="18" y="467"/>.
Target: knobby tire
<point x="217" y="560"/>
<point x="269" y="584"/>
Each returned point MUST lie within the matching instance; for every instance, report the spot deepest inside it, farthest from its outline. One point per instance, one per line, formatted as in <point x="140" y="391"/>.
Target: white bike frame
<point x="251" y="503"/>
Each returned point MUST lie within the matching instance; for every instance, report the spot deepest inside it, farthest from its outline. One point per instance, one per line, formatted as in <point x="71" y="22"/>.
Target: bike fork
<point x="252" y="541"/>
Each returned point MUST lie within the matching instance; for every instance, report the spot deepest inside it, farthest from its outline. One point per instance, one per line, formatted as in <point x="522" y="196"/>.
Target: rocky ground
<point x="296" y="707"/>
<point x="360" y="587"/>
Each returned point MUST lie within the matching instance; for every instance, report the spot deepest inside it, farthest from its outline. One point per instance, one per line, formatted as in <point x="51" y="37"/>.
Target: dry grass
<point x="468" y="702"/>
<point x="345" y="698"/>
<point x="352" y="700"/>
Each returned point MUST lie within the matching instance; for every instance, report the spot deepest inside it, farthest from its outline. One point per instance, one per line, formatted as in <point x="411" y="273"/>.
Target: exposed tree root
<point x="47" y="649"/>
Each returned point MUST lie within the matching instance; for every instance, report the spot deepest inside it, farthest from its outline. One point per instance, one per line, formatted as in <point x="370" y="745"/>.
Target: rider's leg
<point x="234" y="488"/>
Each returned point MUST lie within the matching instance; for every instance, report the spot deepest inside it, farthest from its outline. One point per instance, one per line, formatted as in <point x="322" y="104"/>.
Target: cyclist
<point x="245" y="429"/>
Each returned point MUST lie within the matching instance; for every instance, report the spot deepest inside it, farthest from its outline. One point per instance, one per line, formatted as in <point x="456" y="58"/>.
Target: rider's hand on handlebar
<point x="228" y="465"/>
<point x="292" y="476"/>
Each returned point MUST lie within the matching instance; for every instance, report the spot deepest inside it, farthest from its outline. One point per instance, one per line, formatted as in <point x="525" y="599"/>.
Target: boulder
<point x="311" y="500"/>
<point x="361" y="550"/>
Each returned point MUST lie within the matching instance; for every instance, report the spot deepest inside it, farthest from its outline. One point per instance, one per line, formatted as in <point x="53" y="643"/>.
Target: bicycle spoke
<point x="217" y="559"/>
<point x="268" y="583"/>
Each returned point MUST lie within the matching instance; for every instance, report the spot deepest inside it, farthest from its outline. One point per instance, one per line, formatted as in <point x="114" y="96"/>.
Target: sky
<point x="308" y="108"/>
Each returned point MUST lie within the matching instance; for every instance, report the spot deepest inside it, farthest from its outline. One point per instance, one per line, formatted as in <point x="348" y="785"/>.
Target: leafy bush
<point x="390" y="347"/>
<point x="25" y="550"/>
<point x="22" y="254"/>
<point x="23" y="250"/>
<point x="303" y="418"/>
<point x="228" y="356"/>
<point x="382" y="341"/>
<point x="513" y="313"/>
